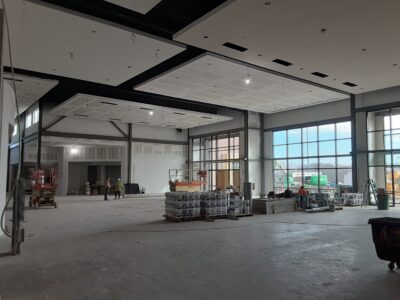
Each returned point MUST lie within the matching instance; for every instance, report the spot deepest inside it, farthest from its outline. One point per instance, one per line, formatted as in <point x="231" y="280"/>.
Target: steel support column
<point x="262" y="154"/>
<point x="354" y="141"/>
<point x="129" y="153"/>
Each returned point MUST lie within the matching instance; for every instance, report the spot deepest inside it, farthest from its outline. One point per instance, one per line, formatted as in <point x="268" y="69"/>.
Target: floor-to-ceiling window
<point x="219" y="156"/>
<point x="383" y="129"/>
<point x="317" y="157"/>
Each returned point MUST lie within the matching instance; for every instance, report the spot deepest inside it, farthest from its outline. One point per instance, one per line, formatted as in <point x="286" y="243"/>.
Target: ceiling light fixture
<point x="247" y="80"/>
<point x="151" y="113"/>
<point x="74" y="150"/>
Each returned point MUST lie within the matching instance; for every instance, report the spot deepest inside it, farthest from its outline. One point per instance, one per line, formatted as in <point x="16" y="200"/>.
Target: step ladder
<point x="370" y="186"/>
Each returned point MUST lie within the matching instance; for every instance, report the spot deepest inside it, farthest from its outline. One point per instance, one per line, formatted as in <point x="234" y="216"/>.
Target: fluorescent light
<point x="74" y="150"/>
<point x="247" y="80"/>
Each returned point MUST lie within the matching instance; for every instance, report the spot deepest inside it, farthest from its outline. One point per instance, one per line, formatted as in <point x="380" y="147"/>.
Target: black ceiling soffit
<point x="178" y="60"/>
<point x="68" y="87"/>
<point x="163" y="20"/>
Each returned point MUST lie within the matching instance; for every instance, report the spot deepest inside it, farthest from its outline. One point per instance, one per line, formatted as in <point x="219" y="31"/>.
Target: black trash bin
<point x="386" y="237"/>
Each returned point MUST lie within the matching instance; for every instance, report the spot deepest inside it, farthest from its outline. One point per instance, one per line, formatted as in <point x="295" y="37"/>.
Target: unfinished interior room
<point x="215" y="149"/>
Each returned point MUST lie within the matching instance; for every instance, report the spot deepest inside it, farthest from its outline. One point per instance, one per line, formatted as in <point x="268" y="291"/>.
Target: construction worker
<point x="107" y="186"/>
<point x="303" y="194"/>
<point x="118" y="188"/>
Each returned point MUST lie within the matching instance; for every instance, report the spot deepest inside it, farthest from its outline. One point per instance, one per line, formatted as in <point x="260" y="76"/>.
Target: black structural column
<point x="129" y="152"/>
<point x="354" y="141"/>
<point x="262" y="154"/>
<point x="246" y="145"/>
<point x="39" y="136"/>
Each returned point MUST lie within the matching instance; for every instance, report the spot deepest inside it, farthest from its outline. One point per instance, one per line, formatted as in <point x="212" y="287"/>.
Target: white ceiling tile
<point x="291" y="30"/>
<point x="56" y="42"/>
<point x="230" y="89"/>
<point x="132" y="112"/>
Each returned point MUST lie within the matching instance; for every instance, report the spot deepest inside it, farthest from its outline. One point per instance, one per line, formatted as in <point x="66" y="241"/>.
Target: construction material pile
<point x="195" y="205"/>
<point x="352" y="199"/>
<point x="214" y="204"/>
<point x="238" y="206"/>
<point x="182" y="205"/>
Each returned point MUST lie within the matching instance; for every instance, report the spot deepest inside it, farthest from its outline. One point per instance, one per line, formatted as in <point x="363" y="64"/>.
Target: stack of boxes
<point x="181" y="205"/>
<point x="186" y="205"/>
<point x="238" y="206"/>
<point x="214" y="204"/>
<point x="352" y="199"/>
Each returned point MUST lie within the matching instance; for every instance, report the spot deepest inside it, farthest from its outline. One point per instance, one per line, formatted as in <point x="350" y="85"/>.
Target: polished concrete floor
<point x="92" y="249"/>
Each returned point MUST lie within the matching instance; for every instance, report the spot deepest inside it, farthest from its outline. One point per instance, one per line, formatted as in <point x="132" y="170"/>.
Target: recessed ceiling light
<point x="323" y="30"/>
<point x="151" y="113"/>
<point x="259" y="55"/>
<point x="363" y="49"/>
<point x="267" y="3"/>
<point x="206" y="37"/>
<point x="394" y="64"/>
<point x="93" y="31"/>
<point x="54" y="69"/>
<point x="247" y="80"/>
<point x="129" y="67"/>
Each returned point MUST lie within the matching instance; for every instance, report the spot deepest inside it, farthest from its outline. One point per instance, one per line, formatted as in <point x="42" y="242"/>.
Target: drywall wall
<point x="159" y="133"/>
<point x="151" y="164"/>
<point x="316" y="113"/>
<point x="379" y="97"/>
<point x="236" y="123"/>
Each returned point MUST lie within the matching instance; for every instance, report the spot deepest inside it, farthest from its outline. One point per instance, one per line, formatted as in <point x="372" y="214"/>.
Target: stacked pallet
<point x="352" y="199"/>
<point x="213" y="204"/>
<point x="182" y="205"/>
<point x="238" y="206"/>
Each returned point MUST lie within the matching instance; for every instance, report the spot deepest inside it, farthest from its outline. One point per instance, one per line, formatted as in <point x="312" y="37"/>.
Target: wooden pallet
<point x="182" y="219"/>
<point x="236" y="217"/>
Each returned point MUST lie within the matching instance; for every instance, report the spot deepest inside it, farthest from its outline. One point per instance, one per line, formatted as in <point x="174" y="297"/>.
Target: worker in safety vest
<point x="118" y="188"/>
<point x="303" y="193"/>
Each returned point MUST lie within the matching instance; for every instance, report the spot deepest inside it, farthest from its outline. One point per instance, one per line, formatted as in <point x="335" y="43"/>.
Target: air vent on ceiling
<point x="206" y="118"/>
<point x="318" y="74"/>
<point x="282" y="62"/>
<point x="145" y="123"/>
<point x="78" y="115"/>
<point x="114" y="119"/>
<point x="235" y="47"/>
<point x="178" y="113"/>
<point x="145" y="108"/>
<point x="350" y="84"/>
<point x="108" y="103"/>
<point x="168" y="125"/>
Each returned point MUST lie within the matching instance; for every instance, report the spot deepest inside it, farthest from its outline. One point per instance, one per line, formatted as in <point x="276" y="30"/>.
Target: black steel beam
<point x="119" y="129"/>
<point x="69" y="87"/>
<point x="178" y="60"/>
<point x="39" y="137"/>
<point x="106" y="11"/>
<point x="54" y="122"/>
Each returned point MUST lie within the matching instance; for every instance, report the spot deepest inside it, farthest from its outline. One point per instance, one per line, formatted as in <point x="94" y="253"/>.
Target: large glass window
<point x="317" y="157"/>
<point x="219" y="156"/>
<point x="383" y="131"/>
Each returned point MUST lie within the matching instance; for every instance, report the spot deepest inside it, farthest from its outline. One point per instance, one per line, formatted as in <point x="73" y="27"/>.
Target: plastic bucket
<point x="383" y="202"/>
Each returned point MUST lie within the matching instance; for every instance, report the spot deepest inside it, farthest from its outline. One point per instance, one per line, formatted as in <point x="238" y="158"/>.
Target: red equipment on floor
<point x="43" y="188"/>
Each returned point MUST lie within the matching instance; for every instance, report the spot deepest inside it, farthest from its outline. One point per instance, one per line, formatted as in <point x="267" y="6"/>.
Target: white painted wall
<point x="322" y="112"/>
<point x="7" y="109"/>
<point x="152" y="162"/>
<point x="159" y="133"/>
